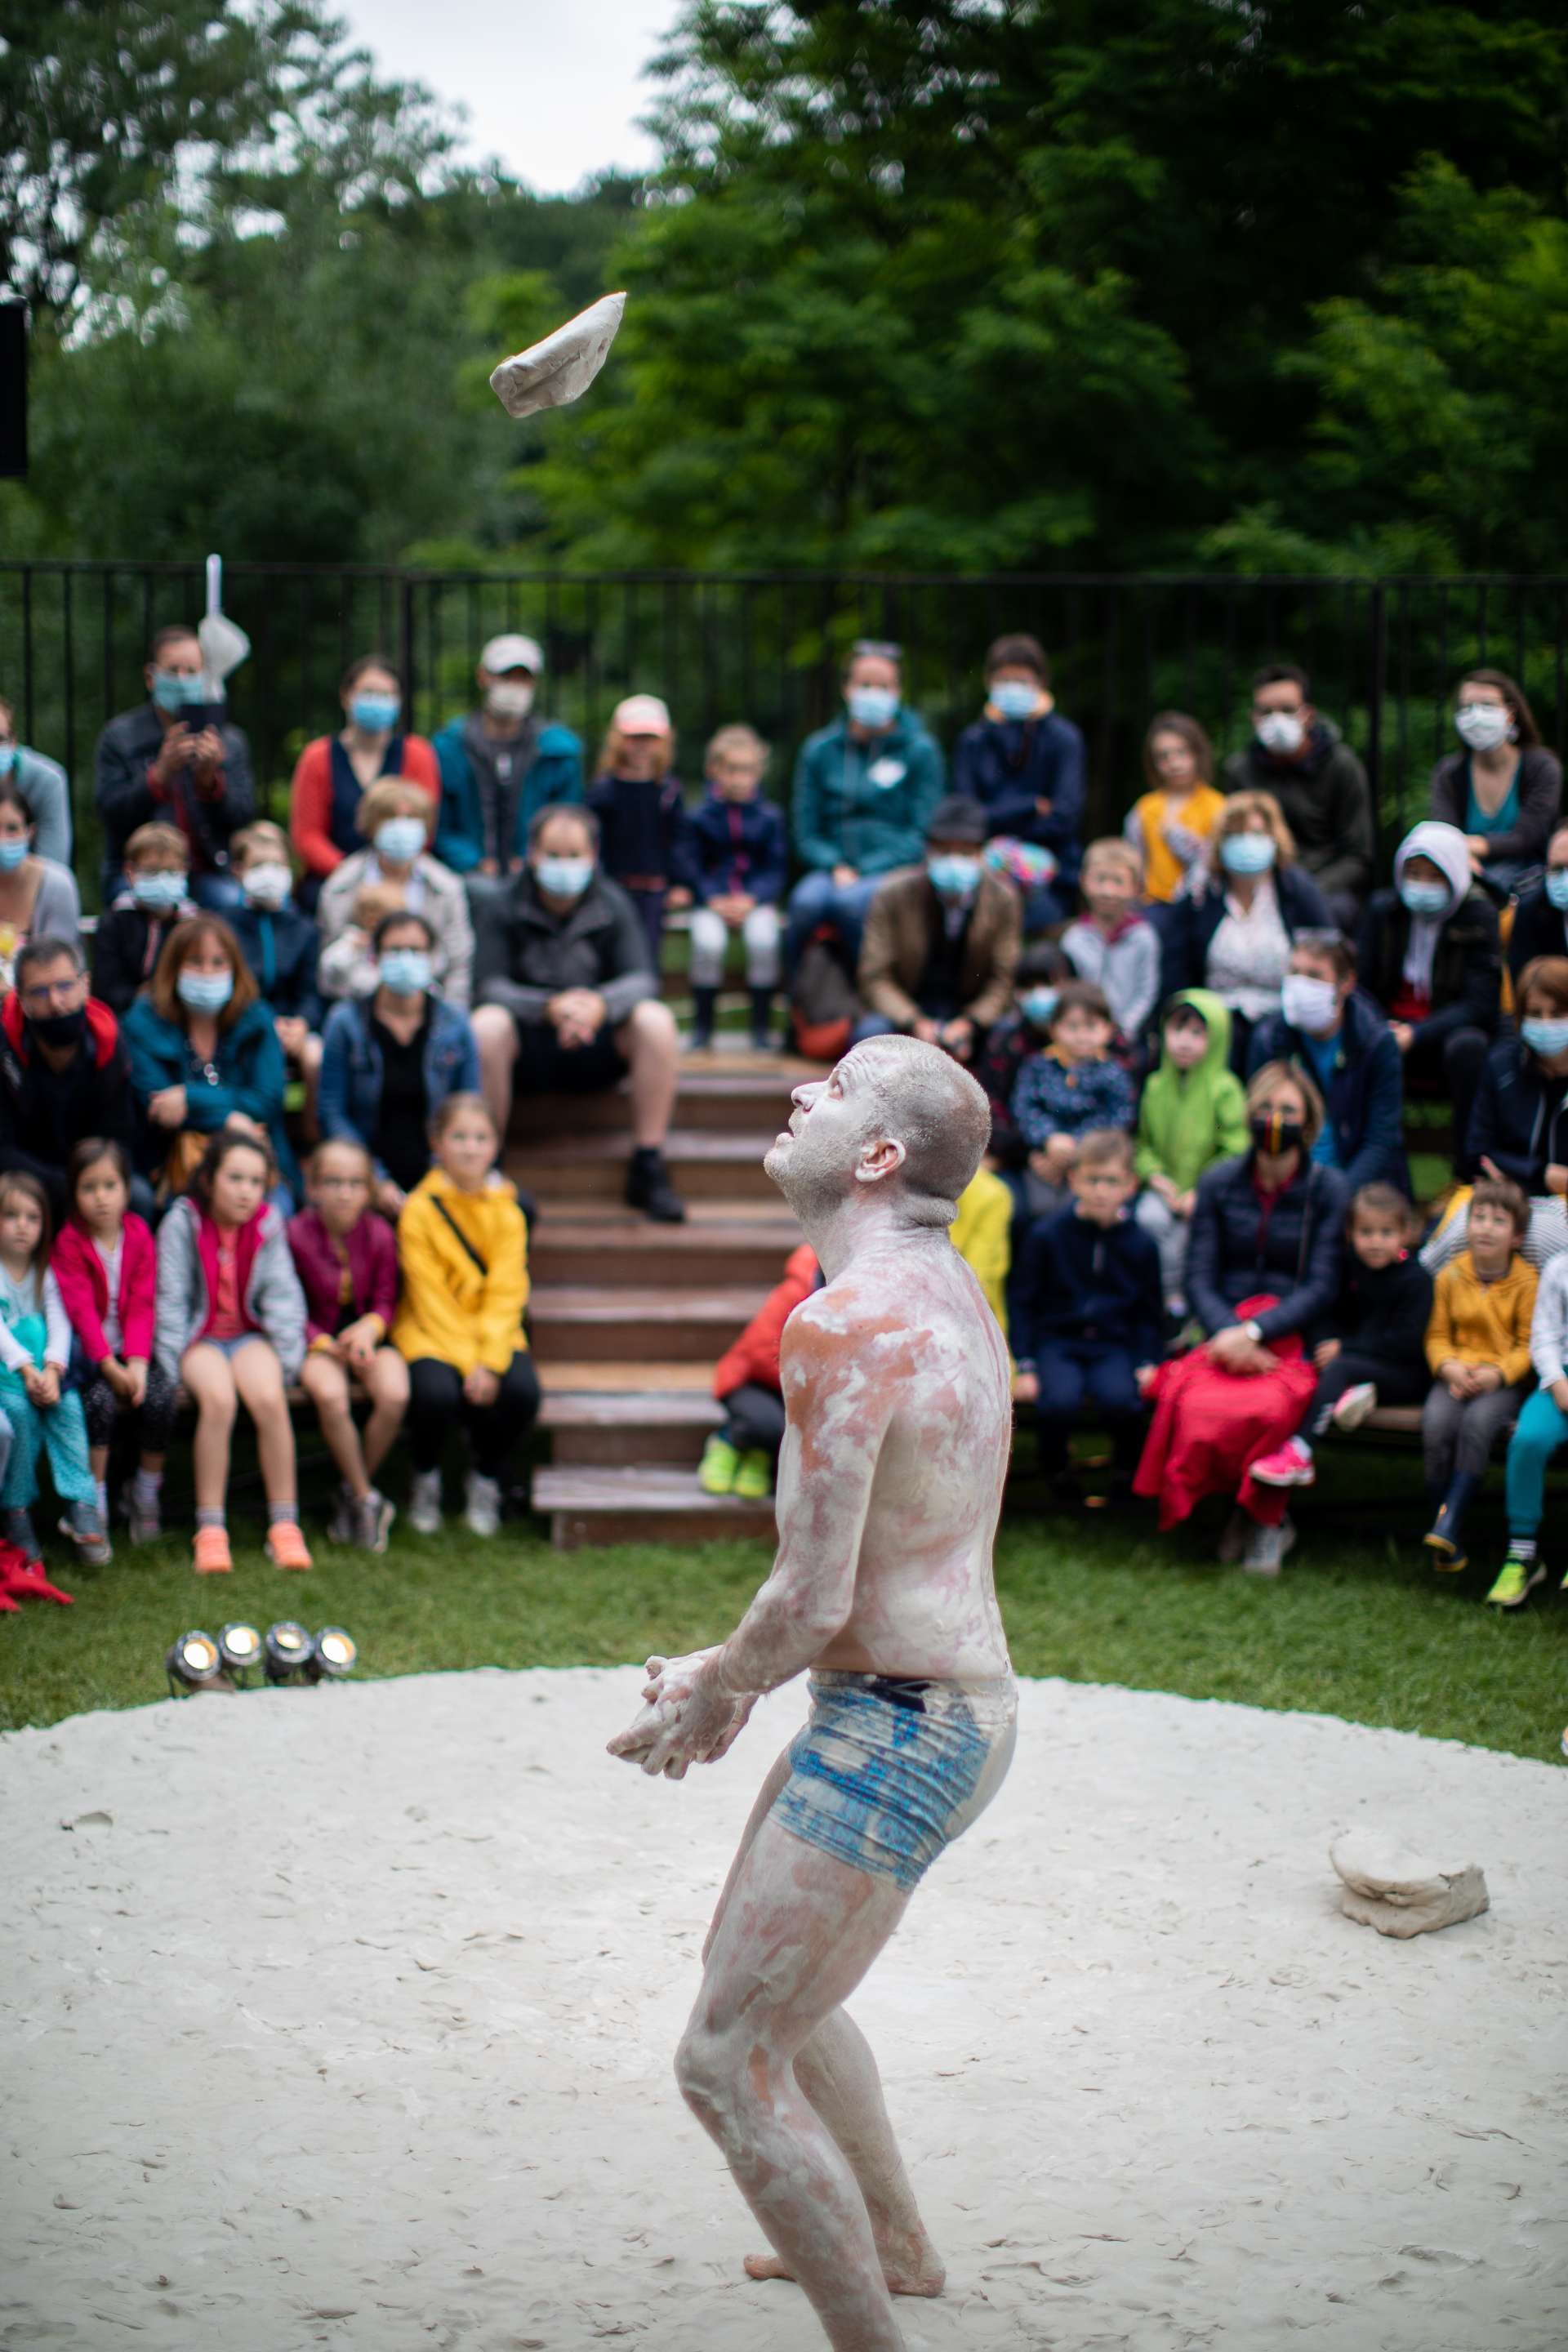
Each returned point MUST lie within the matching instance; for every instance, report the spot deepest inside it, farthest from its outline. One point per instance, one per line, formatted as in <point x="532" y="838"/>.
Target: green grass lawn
<point x="1357" y="1626"/>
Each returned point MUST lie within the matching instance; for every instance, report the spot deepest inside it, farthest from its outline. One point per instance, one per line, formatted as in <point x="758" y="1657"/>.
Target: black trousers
<point x="154" y="1423"/>
<point x="435" y="1400"/>
<point x="754" y="1419"/>
<point x="1394" y="1384"/>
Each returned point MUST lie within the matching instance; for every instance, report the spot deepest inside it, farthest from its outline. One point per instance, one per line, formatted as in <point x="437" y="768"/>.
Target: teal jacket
<point x="555" y="773"/>
<point x="865" y="804"/>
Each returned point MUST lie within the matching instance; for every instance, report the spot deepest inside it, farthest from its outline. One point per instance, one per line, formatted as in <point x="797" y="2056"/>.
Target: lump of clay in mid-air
<point x="560" y="368"/>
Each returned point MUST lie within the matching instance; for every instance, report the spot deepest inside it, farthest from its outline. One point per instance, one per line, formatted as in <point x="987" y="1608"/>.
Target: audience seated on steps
<point x="1234" y="934"/>
<point x="394" y="823"/>
<point x="65" y="1069"/>
<point x="334" y="772"/>
<point x="345" y="1255"/>
<point x="1518" y="1127"/>
<point x="1319" y="785"/>
<point x="1073" y="1086"/>
<point x="153" y="897"/>
<point x="740" y="859"/>
<point x="500" y="764"/>
<point x="1115" y="946"/>
<point x="567" y="1002"/>
<point x="1023" y="762"/>
<point x="1192" y="1115"/>
<point x="940" y="942"/>
<point x="282" y="946"/>
<point x="174" y="760"/>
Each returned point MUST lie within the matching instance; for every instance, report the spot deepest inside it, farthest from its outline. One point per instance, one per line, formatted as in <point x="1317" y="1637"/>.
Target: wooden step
<point x="593" y="1167"/>
<point x="580" y="1322"/>
<point x="641" y="1504"/>
<point x="615" y="1376"/>
<point x="719" y="1093"/>
<point x="708" y="1250"/>
<point x="629" y="1429"/>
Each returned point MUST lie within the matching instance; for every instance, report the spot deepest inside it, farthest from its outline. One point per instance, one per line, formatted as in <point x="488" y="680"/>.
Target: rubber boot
<point x="705" y="1002"/>
<point x="762" y="1019"/>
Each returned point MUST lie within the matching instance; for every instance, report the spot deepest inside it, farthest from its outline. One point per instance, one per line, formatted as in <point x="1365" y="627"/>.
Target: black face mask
<point x="59" y="1028"/>
<point x="1273" y="1134"/>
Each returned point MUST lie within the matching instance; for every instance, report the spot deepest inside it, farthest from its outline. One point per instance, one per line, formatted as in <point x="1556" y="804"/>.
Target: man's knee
<point x="1464" y="1051"/>
<point x="649" y="1025"/>
<point x="495" y="1033"/>
<point x="712" y="2076"/>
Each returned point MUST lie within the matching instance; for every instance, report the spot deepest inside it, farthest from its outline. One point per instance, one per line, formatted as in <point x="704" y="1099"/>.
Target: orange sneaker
<point x="213" y="1557"/>
<point x="286" y="1545"/>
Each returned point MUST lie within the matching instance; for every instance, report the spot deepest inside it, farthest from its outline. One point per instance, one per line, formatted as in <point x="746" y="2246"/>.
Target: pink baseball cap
<point x="641" y="714"/>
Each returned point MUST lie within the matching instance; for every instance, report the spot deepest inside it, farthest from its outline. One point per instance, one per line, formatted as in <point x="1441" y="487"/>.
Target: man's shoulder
<point x="126" y="728"/>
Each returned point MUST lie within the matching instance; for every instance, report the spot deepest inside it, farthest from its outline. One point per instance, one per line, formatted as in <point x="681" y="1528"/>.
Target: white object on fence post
<point x="224" y="645"/>
<point x="560" y="368"/>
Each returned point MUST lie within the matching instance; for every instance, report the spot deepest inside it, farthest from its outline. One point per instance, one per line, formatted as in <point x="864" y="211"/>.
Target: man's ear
<point x="882" y="1158"/>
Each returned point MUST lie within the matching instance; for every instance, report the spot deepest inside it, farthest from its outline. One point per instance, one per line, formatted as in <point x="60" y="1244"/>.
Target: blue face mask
<point x="172" y="691"/>
<point x="955" y="877"/>
<point x="1426" y="898"/>
<point x="1013" y="699"/>
<point x="7" y="758"/>
<point x="376" y="713"/>
<point x="204" y="991"/>
<point x="873" y="705"/>
<point x="1039" y="1005"/>
<point x="1548" y="1037"/>
<point x="405" y="971"/>
<point x="1557" y="887"/>
<point x="1246" y="853"/>
<point x="12" y="853"/>
<point x="400" y="840"/>
<point x="159" y="893"/>
<point x="565" y="877"/>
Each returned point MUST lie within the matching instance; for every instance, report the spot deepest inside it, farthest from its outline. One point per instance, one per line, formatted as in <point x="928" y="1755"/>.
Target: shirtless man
<point x="899" y="1423"/>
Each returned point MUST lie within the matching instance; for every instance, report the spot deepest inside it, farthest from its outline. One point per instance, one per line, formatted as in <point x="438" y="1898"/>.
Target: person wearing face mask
<point x="739" y="854"/>
<point x="1540" y="915"/>
<point x="1024" y="1029"/>
<point x="44" y="786"/>
<point x="864" y="789"/>
<point x="1262" y="1277"/>
<point x="37" y="899"/>
<point x="942" y="943"/>
<point x="645" y="834"/>
<point x="1113" y="944"/>
<point x="1191" y="1114"/>
<point x="333" y="773"/>
<point x="393" y="822"/>
<point x="64" y="1072"/>
<point x="1503" y="788"/>
<point x="1319" y="785"/>
<point x="1429" y="956"/>
<point x="152" y="896"/>
<point x="1235" y="936"/>
<point x="176" y="761"/>
<point x="567" y="1001"/>
<point x="280" y="945"/>
<point x="1023" y="762"/>
<point x="390" y="1059"/>
<point x="204" y="1056"/>
<point x="1519" y="1124"/>
<point x="500" y="764"/>
<point x="1333" y="1031"/>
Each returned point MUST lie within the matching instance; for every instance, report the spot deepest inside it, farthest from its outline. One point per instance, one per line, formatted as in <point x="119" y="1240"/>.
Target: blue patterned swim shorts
<point x="887" y="1773"/>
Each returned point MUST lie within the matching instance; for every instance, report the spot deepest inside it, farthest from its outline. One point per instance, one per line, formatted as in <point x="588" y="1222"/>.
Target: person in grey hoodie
<point x="43" y="784"/>
<point x="1320" y="785"/>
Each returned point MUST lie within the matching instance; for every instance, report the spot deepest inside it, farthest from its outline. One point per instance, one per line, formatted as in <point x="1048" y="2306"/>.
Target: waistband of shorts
<point x="834" y="1678"/>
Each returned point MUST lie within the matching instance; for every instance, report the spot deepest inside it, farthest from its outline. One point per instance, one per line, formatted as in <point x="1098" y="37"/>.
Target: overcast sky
<point x="551" y="86"/>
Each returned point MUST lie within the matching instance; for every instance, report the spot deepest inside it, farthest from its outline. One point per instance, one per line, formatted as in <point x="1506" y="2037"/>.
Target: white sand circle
<point x="345" y="2017"/>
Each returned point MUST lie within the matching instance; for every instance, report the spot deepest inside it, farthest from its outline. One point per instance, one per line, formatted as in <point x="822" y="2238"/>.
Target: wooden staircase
<point x="629" y="1318"/>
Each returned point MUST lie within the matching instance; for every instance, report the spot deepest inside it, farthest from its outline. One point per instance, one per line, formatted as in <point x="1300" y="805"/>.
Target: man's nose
<point x="805" y="1095"/>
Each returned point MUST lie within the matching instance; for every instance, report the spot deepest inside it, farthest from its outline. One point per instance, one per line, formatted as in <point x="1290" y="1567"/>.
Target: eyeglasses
<point x="341" y="1183"/>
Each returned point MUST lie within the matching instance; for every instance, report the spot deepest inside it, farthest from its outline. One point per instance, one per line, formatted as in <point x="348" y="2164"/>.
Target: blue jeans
<point x="1541" y="1430"/>
<point x="818" y="898"/>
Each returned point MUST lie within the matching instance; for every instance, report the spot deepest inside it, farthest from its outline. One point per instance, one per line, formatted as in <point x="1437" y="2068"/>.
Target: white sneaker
<point x="1356" y="1404"/>
<point x="1266" y="1551"/>
<point x="425" y="1503"/>
<point x="482" y="1515"/>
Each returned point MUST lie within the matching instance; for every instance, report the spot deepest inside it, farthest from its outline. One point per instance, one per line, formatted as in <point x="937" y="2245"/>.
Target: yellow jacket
<point x="1475" y="1322"/>
<point x="448" y="1309"/>
<point x="1162" y="869"/>
<point x="983" y="1236"/>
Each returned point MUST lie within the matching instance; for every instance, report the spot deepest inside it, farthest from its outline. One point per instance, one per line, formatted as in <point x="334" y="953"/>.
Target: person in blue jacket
<point x="390" y="1059"/>
<point x="500" y="764"/>
<point x="864" y="791"/>
<point x="1023" y="762"/>
<point x="205" y="1054"/>
<point x="282" y="946"/>
<point x="740" y="857"/>
<point x="1329" y="1028"/>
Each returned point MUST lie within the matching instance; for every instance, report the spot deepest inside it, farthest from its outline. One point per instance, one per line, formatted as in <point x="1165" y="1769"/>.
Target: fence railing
<point x="1383" y="653"/>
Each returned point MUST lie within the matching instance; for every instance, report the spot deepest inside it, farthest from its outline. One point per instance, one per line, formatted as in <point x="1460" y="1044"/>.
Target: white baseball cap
<point x="641" y="714"/>
<point x="513" y="652"/>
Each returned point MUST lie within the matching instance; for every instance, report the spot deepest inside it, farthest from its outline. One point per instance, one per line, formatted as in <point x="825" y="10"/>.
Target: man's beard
<point x="810" y="1182"/>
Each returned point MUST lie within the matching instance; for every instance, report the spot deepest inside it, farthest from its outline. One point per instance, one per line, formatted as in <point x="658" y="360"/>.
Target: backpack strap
<point x="464" y="1242"/>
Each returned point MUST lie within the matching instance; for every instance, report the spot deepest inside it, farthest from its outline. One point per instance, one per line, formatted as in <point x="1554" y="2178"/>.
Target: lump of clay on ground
<point x="1399" y="1892"/>
<point x="550" y="373"/>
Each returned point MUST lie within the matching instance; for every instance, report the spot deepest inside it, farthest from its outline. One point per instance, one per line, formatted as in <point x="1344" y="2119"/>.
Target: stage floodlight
<point x="195" y="1663"/>
<point x="334" y="1657"/>
<point x="288" y="1650"/>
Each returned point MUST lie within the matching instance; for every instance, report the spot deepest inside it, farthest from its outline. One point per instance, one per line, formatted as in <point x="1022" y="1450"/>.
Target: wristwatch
<point x="1254" y="1330"/>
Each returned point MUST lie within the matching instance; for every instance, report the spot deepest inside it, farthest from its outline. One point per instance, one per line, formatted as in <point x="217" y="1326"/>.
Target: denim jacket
<point x="349" y="1103"/>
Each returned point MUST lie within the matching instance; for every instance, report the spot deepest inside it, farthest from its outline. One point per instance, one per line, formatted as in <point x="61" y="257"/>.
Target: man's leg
<point x="809" y="903"/>
<point x="651" y="1044"/>
<point x="495" y="1034"/>
<point x="797" y="1933"/>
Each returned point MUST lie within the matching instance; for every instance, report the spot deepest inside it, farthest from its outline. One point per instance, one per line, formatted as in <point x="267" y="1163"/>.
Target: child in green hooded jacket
<point x="1194" y="1113"/>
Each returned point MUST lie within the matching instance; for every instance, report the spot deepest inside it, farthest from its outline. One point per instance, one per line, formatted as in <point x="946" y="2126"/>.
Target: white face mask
<point x="507" y="700"/>
<point x="267" y="886"/>
<point x="1483" y="725"/>
<point x="1307" y="1004"/>
<point x="1281" y="731"/>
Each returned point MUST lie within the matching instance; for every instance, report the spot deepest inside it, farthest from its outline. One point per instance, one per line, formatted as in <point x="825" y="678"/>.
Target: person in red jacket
<point x="346" y="1258"/>
<point x="740" y="1457"/>
<point x="334" y="771"/>
<point x="105" y="1263"/>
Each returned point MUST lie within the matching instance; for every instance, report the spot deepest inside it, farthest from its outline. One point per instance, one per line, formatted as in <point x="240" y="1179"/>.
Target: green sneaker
<point x="716" y="1470"/>
<point x="1516" y="1581"/>
<point x="754" y="1478"/>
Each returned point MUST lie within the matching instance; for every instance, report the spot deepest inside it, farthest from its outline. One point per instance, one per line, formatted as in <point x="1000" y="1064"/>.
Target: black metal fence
<point x="1383" y="653"/>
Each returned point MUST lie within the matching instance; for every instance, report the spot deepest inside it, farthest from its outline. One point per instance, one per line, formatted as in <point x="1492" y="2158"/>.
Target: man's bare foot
<point x="911" y="2265"/>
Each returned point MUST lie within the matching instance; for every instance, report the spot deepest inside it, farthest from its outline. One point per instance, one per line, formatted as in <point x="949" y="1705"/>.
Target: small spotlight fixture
<point x="288" y="1650"/>
<point x="195" y="1663"/>
<point x="239" y="1646"/>
<point x="334" y="1657"/>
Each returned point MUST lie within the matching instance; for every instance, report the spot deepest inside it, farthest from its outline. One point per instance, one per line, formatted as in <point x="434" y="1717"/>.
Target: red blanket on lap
<point x="1210" y="1427"/>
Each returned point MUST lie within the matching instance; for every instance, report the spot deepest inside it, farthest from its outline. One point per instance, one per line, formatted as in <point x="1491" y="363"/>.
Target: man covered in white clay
<point x="900" y="1422"/>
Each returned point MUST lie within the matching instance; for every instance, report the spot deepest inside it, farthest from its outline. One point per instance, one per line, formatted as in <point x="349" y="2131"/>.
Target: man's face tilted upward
<point x="894" y="1116"/>
<point x="812" y="1162"/>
